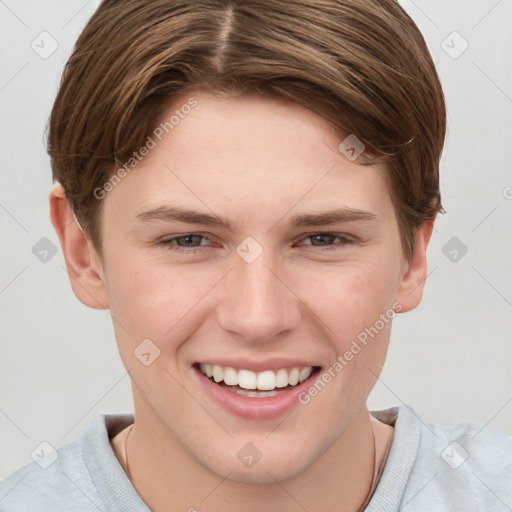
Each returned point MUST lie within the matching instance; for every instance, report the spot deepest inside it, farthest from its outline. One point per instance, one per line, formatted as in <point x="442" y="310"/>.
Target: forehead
<point x="248" y="152"/>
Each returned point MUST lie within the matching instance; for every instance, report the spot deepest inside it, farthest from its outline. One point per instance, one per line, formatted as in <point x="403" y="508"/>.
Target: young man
<point x="250" y="188"/>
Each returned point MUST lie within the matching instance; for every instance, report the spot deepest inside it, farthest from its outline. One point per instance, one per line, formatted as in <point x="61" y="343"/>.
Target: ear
<point x="414" y="274"/>
<point x="82" y="261"/>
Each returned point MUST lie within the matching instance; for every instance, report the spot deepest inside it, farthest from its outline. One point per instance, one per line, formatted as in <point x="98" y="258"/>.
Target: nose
<point x="257" y="304"/>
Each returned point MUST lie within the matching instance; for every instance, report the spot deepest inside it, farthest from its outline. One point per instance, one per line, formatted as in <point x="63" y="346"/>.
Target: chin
<point x="248" y="465"/>
<point x="262" y="474"/>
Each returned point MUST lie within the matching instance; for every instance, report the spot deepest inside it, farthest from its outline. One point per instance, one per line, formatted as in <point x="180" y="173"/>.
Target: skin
<point x="256" y="162"/>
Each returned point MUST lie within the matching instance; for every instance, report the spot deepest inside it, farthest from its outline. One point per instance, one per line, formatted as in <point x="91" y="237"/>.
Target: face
<point x="247" y="247"/>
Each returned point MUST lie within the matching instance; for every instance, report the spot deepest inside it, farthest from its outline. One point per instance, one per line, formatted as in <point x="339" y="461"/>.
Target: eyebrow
<point x="332" y="217"/>
<point x="174" y="213"/>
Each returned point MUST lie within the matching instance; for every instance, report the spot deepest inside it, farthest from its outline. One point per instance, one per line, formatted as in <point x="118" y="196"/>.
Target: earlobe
<point x="82" y="262"/>
<point x="412" y="281"/>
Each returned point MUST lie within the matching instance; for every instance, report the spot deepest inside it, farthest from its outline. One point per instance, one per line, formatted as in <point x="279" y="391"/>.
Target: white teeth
<point x="206" y="369"/>
<point x="230" y="376"/>
<point x="281" y="378"/>
<point x="267" y="380"/>
<point x="218" y="373"/>
<point x="293" y="377"/>
<point x="304" y="374"/>
<point x="256" y="394"/>
<point x="247" y="379"/>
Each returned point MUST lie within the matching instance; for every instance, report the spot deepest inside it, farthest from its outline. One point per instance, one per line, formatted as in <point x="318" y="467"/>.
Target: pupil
<point x="322" y="239"/>
<point x="187" y="241"/>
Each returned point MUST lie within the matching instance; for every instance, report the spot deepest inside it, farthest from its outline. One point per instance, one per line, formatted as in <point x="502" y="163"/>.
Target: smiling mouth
<point x="251" y="384"/>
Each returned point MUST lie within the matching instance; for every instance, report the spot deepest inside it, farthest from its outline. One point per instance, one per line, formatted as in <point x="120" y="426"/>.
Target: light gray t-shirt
<point x="430" y="467"/>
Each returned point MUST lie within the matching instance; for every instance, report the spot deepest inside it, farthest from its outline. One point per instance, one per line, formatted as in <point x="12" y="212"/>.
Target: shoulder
<point x="62" y="479"/>
<point x="52" y="484"/>
<point x="466" y="466"/>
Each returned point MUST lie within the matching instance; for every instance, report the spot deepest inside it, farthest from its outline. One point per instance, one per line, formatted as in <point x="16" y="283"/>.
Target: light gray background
<point x="451" y="358"/>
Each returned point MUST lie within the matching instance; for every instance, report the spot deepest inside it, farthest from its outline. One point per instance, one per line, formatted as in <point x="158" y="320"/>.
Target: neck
<point x="343" y="474"/>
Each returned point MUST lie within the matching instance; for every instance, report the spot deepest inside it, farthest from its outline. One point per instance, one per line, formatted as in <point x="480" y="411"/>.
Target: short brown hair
<point x="362" y="65"/>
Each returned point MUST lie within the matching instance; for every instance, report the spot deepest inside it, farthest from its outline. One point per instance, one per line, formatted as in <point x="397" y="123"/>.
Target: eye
<point x="327" y="240"/>
<point x="184" y="242"/>
<point x="193" y="242"/>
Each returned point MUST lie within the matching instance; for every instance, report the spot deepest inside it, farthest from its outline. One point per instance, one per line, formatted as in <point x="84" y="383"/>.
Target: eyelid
<point x="345" y="239"/>
<point x="168" y="238"/>
<point x="167" y="241"/>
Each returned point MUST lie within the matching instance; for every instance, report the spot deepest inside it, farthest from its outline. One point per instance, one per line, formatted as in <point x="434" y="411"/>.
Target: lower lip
<point x="254" y="408"/>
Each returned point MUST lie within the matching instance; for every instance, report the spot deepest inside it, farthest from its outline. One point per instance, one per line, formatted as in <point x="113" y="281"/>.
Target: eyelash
<point x="169" y="242"/>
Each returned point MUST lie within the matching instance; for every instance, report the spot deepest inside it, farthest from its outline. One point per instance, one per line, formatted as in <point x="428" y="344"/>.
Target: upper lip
<point x="258" y="366"/>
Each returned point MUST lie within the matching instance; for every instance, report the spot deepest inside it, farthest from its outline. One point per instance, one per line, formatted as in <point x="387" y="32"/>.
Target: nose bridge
<point x="256" y="303"/>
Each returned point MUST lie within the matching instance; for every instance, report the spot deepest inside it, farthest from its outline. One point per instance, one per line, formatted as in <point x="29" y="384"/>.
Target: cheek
<point x="354" y="304"/>
<point x="152" y="298"/>
<point x="348" y="298"/>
